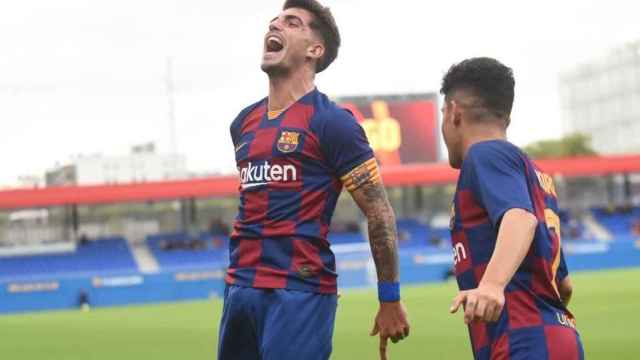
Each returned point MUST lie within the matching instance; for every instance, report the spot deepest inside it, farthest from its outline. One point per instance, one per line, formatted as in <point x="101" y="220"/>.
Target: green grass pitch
<point x="606" y="304"/>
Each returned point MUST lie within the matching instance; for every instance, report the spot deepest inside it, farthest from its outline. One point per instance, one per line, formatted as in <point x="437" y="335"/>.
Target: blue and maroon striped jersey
<point x="290" y="169"/>
<point x="495" y="177"/>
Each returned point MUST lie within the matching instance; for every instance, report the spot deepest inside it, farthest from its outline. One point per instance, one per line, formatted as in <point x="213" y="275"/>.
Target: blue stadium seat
<point x="181" y="258"/>
<point x="104" y="257"/>
<point x="619" y="224"/>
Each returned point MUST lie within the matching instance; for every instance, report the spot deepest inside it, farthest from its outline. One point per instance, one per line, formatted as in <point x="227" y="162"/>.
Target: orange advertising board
<point x="401" y="129"/>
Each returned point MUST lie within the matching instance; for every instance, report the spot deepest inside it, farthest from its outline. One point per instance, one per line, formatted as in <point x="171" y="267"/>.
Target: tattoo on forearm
<point x="382" y="231"/>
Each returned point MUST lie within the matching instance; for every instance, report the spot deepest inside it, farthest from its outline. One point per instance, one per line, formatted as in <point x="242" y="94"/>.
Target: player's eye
<point x="294" y="23"/>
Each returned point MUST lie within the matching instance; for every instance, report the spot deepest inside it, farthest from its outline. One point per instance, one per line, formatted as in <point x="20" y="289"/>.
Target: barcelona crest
<point x="288" y="141"/>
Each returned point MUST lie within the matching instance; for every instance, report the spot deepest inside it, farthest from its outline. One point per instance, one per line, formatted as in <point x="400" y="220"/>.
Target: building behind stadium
<point x="143" y="164"/>
<point x="601" y="99"/>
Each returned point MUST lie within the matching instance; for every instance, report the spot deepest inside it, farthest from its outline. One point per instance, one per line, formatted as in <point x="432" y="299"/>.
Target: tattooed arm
<point x="391" y="321"/>
<point x="372" y="199"/>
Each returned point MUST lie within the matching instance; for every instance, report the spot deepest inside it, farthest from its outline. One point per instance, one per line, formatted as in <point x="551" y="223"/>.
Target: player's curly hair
<point x="323" y="24"/>
<point x="487" y="79"/>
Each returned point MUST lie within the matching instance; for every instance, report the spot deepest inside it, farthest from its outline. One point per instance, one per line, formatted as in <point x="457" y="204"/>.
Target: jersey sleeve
<point x="236" y="124"/>
<point x="346" y="149"/>
<point x="498" y="179"/>
<point x="235" y="128"/>
<point x="232" y="132"/>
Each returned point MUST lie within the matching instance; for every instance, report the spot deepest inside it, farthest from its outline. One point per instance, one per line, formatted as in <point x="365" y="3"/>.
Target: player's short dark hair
<point x="487" y="79"/>
<point x="323" y="24"/>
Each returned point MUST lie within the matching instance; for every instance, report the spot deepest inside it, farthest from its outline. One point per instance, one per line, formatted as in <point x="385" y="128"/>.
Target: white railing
<point x="38" y="249"/>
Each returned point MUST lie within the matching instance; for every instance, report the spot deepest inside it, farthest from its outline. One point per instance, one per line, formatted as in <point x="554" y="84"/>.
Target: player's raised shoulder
<point x="328" y="110"/>
<point x="236" y="124"/>
<point x="246" y="111"/>
<point x="330" y="118"/>
<point x="493" y="147"/>
<point x="494" y="151"/>
<point x="339" y="117"/>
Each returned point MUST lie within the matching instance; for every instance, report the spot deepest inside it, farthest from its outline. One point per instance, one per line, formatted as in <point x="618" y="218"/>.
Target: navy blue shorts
<point x="276" y="324"/>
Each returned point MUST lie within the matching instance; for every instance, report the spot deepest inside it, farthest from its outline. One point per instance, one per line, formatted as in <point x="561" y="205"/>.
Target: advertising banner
<point x="401" y="129"/>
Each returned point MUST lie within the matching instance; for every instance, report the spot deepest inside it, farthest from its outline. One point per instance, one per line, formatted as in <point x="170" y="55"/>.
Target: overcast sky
<point x="89" y="76"/>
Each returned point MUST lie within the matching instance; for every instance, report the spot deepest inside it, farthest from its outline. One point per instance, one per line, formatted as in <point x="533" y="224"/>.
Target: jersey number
<point x="553" y="221"/>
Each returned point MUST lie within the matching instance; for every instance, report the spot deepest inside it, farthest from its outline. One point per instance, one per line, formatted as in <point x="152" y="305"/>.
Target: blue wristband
<point x="388" y="291"/>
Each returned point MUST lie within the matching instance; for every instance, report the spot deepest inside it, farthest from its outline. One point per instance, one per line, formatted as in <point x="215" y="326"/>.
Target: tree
<point x="572" y="190"/>
<point x="568" y="146"/>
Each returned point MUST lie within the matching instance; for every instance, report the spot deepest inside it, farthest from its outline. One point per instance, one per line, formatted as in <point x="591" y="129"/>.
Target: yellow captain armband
<point x="361" y="174"/>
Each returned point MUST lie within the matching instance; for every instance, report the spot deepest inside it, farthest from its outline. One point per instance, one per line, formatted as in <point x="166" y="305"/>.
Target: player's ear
<point x="315" y="51"/>
<point x="456" y="113"/>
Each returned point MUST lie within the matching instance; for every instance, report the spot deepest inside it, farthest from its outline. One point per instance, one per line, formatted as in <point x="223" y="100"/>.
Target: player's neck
<point x="287" y="89"/>
<point x="480" y="134"/>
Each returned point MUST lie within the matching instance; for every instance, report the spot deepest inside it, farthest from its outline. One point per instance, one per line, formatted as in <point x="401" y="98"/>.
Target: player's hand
<point x="565" y="288"/>
<point x="483" y="303"/>
<point x="390" y="323"/>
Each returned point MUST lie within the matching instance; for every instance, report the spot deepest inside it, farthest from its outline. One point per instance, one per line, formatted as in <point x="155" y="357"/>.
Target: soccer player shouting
<point x="505" y="230"/>
<point x="295" y="151"/>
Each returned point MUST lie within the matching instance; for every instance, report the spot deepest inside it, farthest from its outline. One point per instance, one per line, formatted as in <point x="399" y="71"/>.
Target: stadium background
<point x="123" y="256"/>
<point x="96" y="246"/>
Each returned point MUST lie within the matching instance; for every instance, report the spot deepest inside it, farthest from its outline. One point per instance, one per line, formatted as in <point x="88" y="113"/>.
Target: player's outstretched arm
<point x="485" y="303"/>
<point x="391" y="320"/>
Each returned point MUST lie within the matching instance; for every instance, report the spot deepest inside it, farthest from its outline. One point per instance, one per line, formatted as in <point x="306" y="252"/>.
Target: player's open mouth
<point x="273" y="44"/>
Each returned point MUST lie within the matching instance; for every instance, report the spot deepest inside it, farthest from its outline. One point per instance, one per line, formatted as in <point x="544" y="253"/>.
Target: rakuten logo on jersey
<point x="459" y="253"/>
<point x="254" y="175"/>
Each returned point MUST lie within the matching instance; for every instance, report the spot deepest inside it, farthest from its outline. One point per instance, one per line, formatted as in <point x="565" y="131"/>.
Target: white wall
<point x="133" y="168"/>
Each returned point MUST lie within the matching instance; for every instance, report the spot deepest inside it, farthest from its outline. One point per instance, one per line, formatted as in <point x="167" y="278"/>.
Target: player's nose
<point x="275" y="25"/>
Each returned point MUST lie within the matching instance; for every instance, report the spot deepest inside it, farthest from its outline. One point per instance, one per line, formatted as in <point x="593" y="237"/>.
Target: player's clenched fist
<point x="483" y="303"/>
<point x="390" y="323"/>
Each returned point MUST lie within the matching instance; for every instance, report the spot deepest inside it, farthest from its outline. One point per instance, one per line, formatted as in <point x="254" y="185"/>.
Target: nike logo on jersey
<point x="240" y="146"/>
